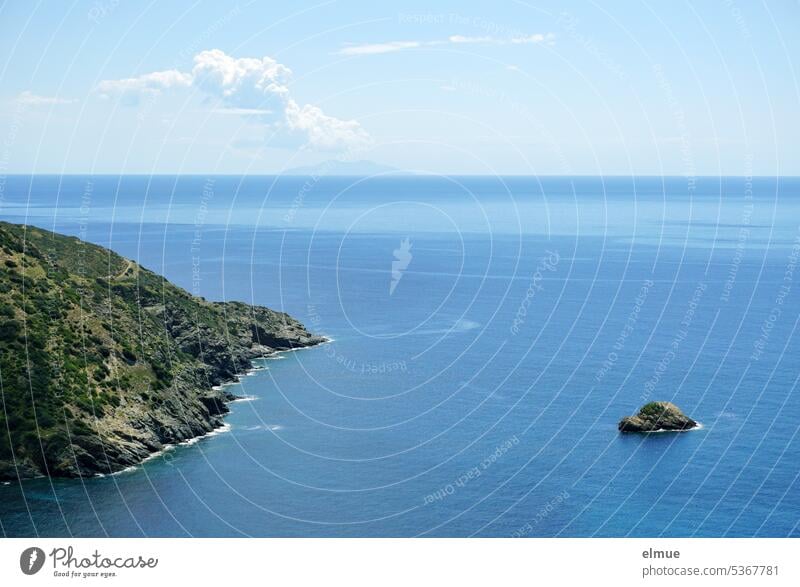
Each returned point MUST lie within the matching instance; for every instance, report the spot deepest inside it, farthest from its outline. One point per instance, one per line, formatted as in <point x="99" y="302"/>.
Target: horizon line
<point x="404" y="175"/>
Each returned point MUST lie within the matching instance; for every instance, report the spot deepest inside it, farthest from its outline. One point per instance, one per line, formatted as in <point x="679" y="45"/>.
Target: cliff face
<point x="103" y="362"/>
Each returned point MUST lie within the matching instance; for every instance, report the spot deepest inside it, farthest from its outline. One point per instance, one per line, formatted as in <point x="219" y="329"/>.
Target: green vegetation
<point x="652" y="409"/>
<point x="96" y="351"/>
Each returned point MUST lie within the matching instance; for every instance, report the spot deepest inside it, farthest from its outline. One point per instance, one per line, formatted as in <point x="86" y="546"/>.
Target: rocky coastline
<point x="121" y="362"/>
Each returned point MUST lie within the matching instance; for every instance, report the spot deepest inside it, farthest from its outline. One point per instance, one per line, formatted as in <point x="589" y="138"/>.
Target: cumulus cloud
<point x="244" y="82"/>
<point x="394" y="46"/>
<point x="30" y="99"/>
<point x="324" y="132"/>
<point x="253" y="87"/>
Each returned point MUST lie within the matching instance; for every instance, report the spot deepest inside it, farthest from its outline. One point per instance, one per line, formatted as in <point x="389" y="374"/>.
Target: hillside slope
<point x="103" y="362"/>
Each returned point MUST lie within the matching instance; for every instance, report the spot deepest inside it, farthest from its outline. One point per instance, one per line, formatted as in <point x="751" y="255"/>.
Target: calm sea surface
<point x="488" y="334"/>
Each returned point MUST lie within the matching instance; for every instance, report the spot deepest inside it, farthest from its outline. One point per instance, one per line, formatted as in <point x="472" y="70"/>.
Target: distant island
<point x="337" y="167"/>
<point x="655" y="417"/>
<point x="104" y="363"/>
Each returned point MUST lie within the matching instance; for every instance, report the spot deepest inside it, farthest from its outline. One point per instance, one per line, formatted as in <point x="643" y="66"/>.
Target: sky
<point x="540" y="88"/>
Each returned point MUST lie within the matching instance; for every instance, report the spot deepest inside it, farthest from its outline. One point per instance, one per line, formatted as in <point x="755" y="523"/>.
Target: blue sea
<point x="488" y="333"/>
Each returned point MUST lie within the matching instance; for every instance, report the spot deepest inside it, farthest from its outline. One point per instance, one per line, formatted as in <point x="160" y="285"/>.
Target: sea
<point x="486" y="336"/>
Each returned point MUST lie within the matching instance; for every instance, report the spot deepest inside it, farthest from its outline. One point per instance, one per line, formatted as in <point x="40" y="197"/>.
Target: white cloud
<point x="376" y="48"/>
<point x="548" y="38"/>
<point x="150" y="82"/>
<point x="325" y="132"/>
<point x="30" y="99"/>
<point x="245" y="82"/>
<point x="253" y="87"/>
<point x="393" y="46"/>
<point x="463" y="39"/>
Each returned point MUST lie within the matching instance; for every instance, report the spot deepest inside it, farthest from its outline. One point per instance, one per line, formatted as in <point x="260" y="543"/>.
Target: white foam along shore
<point x="256" y="367"/>
<point x="698" y="426"/>
<point x="170" y="447"/>
<point x="281" y="354"/>
<point x="224" y="427"/>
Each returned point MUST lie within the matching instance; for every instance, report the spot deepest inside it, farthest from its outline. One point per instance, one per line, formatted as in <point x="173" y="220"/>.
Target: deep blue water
<point x="480" y="395"/>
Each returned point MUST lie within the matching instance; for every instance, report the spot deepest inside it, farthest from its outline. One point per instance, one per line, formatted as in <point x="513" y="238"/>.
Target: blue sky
<point x="114" y="86"/>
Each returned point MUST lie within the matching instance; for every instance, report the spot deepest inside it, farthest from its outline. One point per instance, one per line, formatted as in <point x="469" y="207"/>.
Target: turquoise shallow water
<point x="473" y="387"/>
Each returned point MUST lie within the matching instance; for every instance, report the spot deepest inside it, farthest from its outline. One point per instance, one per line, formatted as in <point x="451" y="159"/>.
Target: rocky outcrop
<point x="104" y="362"/>
<point x="655" y="417"/>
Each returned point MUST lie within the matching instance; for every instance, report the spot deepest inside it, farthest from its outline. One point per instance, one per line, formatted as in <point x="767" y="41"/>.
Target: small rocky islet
<point x="657" y="417"/>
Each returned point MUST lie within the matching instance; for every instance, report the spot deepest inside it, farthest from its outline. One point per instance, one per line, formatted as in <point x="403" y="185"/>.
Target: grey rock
<point x="657" y="416"/>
